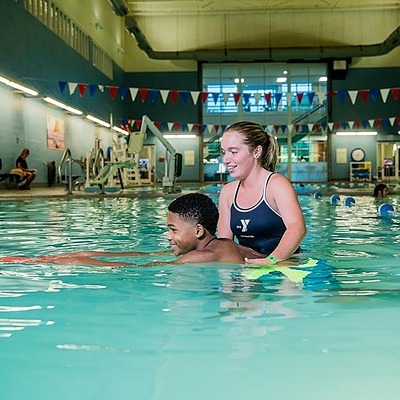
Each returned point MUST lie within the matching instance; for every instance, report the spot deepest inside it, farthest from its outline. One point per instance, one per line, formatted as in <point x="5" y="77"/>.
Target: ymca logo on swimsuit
<point x="245" y="224"/>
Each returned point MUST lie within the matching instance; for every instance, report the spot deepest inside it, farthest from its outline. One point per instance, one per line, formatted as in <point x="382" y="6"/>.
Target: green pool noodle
<point x="293" y="273"/>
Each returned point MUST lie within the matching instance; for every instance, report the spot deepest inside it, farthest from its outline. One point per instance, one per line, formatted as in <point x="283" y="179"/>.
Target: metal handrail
<point x="66" y="163"/>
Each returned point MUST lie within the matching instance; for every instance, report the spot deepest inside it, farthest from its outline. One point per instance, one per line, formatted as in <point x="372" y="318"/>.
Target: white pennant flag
<point x="190" y="127"/>
<point x="353" y="95"/>
<point x="195" y="96"/>
<point x="391" y="120"/>
<point x="226" y="97"/>
<point x="164" y="95"/>
<point x="384" y="94"/>
<point x="257" y="97"/>
<point x="72" y="87"/>
<point x="170" y="126"/>
<point x="351" y="124"/>
<point x="290" y="128"/>
<point x="371" y="122"/>
<point x="330" y="125"/>
<point x="134" y="92"/>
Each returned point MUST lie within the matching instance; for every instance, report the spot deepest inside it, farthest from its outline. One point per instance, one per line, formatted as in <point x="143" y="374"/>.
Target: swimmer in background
<point x="380" y="191"/>
<point x="191" y="221"/>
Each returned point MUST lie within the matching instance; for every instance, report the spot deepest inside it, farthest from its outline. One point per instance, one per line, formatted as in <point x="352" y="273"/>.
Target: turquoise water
<point x="196" y="331"/>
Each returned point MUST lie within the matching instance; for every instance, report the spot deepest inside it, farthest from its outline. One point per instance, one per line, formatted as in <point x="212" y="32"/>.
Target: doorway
<point x="388" y="161"/>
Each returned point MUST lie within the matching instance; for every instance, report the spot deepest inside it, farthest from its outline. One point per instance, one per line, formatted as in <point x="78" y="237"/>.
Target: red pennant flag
<point x="177" y="125"/>
<point x="300" y="97"/>
<point x="395" y="93"/>
<point x="138" y="122"/>
<point x="357" y="124"/>
<point x="113" y="91"/>
<point x="82" y="87"/>
<point x="276" y="127"/>
<point x="336" y="125"/>
<point x="268" y="98"/>
<point x="236" y="96"/>
<point x="398" y="120"/>
<point x="157" y="124"/>
<point x="204" y="96"/>
<point x="331" y="94"/>
<point x="174" y="95"/>
<point x="296" y="128"/>
<point x="378" y="122"/>
<point x="216" y="127"/>
<point x="196" y="127"/>
<point x="364" y="95"/>
<point x="143" y="94"/>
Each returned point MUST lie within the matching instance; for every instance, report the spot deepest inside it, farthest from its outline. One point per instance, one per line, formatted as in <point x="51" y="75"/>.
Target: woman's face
<point x="236" y="155"/>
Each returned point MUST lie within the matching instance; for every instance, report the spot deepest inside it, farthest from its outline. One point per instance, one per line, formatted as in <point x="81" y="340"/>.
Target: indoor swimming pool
<point x="195" y="332"/>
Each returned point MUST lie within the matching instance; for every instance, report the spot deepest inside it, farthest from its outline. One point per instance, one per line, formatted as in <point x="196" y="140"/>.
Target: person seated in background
<point x="191" y="221"/>
<point x="380" y="191"/>
<point x="27" y="174"/>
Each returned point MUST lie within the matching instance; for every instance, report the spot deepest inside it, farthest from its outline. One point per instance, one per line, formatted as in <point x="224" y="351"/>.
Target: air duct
<point x="119" y="7"/>
<point x="267" y="54"/>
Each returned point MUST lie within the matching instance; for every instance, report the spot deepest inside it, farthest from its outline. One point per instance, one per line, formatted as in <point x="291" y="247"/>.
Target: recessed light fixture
<point x="323" y="79"/>
<point x="360" y="133"/>
<point x="281" y="80"/>
<point x="237" y="80"/>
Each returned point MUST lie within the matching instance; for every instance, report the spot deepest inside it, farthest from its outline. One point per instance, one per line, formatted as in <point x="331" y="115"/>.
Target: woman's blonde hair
<point x="254" y="136"/>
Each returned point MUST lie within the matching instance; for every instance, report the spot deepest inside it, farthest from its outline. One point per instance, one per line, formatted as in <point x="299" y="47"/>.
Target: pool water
<point x="196" y="331"/>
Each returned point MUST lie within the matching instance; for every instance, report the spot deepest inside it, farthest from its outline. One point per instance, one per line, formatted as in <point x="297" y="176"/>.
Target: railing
<point x="66" y="164"/>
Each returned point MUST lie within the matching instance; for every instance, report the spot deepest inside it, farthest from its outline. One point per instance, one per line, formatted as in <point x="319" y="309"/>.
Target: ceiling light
<point x="361" y="133"/>
<point x="281" y="80"/>
<point x="237" y="80"/>
<point x="62" y="105"/>
<point x="179" y="136"/>
<point x="98" y="121"/>
<point x="117" y="129"/>
<point x="323" y="79"/>
<point x="18" y="86"/>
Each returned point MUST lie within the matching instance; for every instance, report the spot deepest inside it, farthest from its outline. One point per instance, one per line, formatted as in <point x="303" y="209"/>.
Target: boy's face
<point x="182" y="234"/>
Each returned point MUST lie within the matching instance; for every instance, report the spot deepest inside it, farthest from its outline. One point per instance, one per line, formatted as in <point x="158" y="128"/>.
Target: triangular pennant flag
<point x="177" y="126"/>
<point x="153" y="95"/>
<point x="71" y="87"/>
<point x="164" y="95"/>
<point x="257" y="97"/>
<point x="364" y="95"/>
<point x="174" y="95"/>
<point x="216" y="127"/>
<point x="351" y="124"/>
<point x="215" y="97"/>
<point x="278" y="97"/>
<point x="113" y="91"/>
<point x="297" y="128"/>
<point x="276" y="127"/>
<point x="324" y="125"/>
<point x="330" y="126"/>
<point x="236" y="97"/>
<point x="395" y="93"/>
<point x="170" y="126"/>
<point x="310" y="96"/>
<point x="184" y="126"/>
<point x="321" y="97"/>
<point x="384" y="94"/>
<point x="290" y="128"/>
<point x="398" y="120"/>
<point x="246" y="98"/>
<point x="374" y="94"/>
<point x="391" y="120"/>
<point x="92" y="90"/>
<point x="226" y="97"/>
<point x="283" y="128"/>
<point x="82" y="88"/>
<point x="138" y="122"/>
<point x="378" y="122"/>
<point x="158" y="124"/>
<point x="133" y="92"/>
<point x="204" y="96"/>
<point x="223" y="127"/>
<point x="357" y="124"/>
<point x="268" y="98"/>
<point x="62" y="85"/>
<point x="101" y="88"/>
<point x="342" y="95"/>
<point x="123" y="91"/>
<point x="184" y="96"/>
<point x="143" y="94"/>
<point x="190" y="127"/>
<point x="371" y="122"/>
<point x="195" y="96"/>
<point x="270" y="128"/>
<point x="353" y="96"/>
<point x="299" y="97"/>
<point x="329" y="94"/>
<point x="336" y="125"/>
<point x="344" y="125"/>
<point x="310" y="127"/>
<point x="196" y="128"/>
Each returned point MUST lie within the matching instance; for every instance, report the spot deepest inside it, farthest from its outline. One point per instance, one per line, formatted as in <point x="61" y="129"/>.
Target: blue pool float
<point x="349" y="201"/>
<point x="335" y="199"/>
<point x="385" y="210"/>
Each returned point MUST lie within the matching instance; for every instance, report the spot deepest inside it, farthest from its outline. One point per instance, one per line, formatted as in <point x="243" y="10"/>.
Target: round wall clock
<point x="358" y="154"/>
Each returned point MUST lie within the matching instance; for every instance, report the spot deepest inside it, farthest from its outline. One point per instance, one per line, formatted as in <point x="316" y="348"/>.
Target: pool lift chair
<point x="173" y="159"/>
<point x="65" y="171"/>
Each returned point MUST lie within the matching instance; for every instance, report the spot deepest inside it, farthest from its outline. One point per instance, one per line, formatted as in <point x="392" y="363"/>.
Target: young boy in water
<point x="191" y="221"/>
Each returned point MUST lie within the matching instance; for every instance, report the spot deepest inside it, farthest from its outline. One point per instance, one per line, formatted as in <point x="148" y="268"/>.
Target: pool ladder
<point x="66" y="164"/>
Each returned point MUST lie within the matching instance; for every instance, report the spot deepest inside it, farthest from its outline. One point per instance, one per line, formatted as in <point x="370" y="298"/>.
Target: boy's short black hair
<point x="198" y="208"/>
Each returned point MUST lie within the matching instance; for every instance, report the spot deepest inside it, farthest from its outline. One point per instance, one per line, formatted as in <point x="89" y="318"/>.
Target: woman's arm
<point x="283" y="198"/>
<point x="225" y="202"/>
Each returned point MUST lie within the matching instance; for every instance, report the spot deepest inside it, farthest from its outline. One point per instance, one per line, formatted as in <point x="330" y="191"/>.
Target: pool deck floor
<point x="341" y="188"/>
